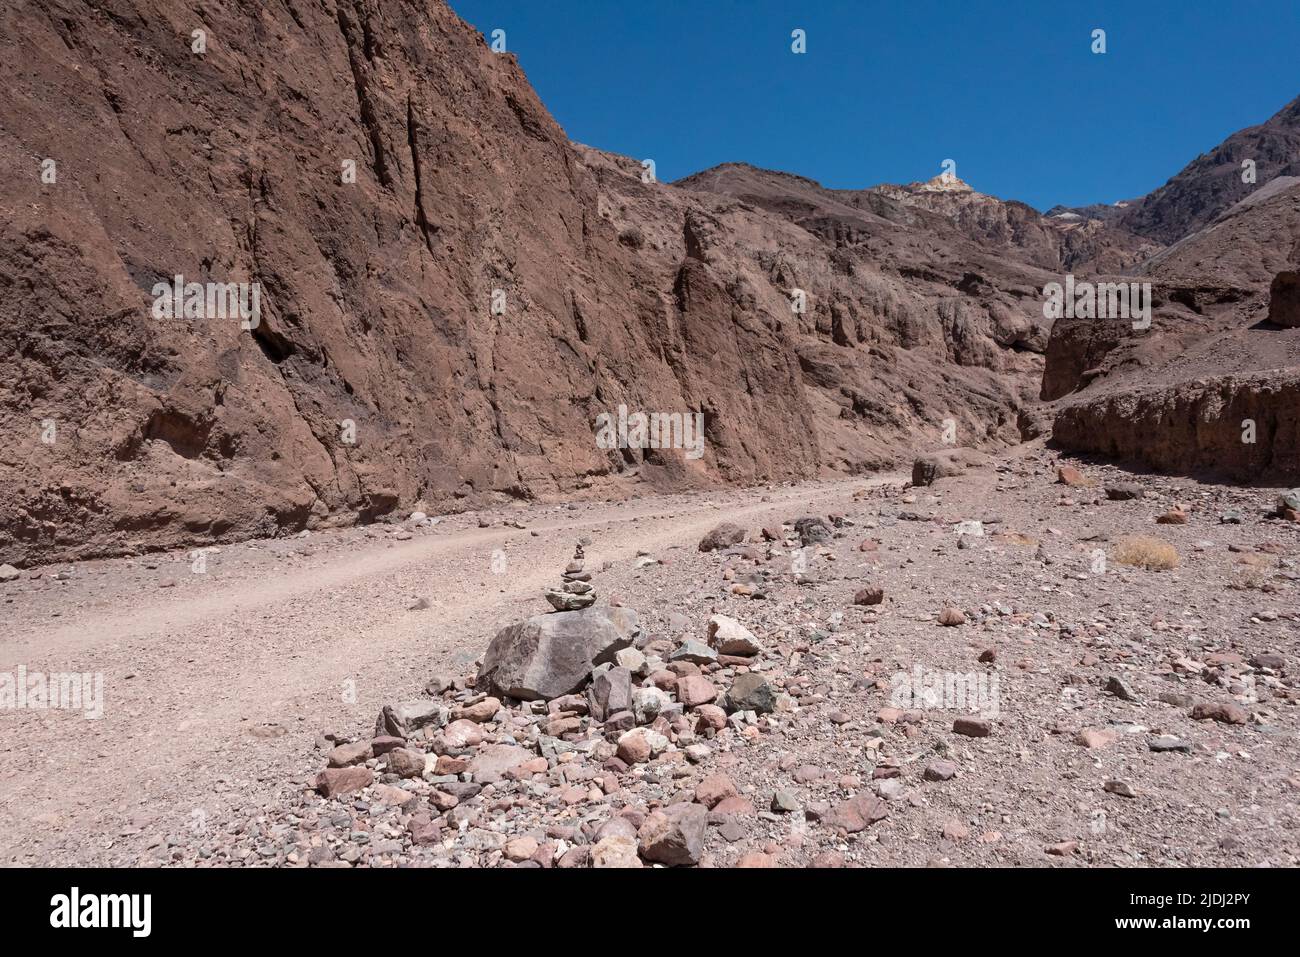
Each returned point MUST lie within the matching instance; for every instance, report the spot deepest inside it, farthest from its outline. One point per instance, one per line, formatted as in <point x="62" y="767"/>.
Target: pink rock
<point x="617" y="850"/>
<point x="1093" y="739"/>
<point x="710" y="716"/>
<point x="346" y="755"/>
<point x="335" y="781"/>
<point x="856" y="814"/>
<point x="736" y="805"/>
<point x="521" y="849"/>
<point x="713" y="789"/>
<point x="695" y="690"/>
<point x="462" y="734"/>
<point x="387" y="794"/>
<point x="972" y="727"/>
<point x="406" y="763"/>
<point x="674" y="835"/>
<point x="484" y="710"/>
<point x="491" y="764"/>
<point x="1224" y="711"/>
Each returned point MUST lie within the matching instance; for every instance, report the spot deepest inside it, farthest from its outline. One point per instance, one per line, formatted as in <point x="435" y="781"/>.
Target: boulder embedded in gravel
<point x="490" y="764"/>
<point x="729" y="637"/>
<point x="1094" y="740"/>
<point x="640" y="745"/>
<point x="784" y="802"/>
<point x="520" y="849"/>
<point x="695" y="690"/>
<point x="1120" y="688"/>
<point x="610" y="692"/>
<point x="812" y="530"/>
<point x="674" y="835"/>
<point x="1069" y="475"/>
<point x="872" y="595"/>
<point x="940" y="771"/>
<point x="1224" y="711"/>
<point x="1268" y="659"/>
<point x="1119" y="786"/>
<point x="406" y="763"/>
<point x="333" y="782"/>
<point x="346" y="755"/>
<point x="620" y="825"/>
<point x="617" y="850"/>
<point x="951" y="617"/>
<point x="696" y="652"/>
<point x="8" y="573"/>
<point x="927" y="469"/>
<point x="972" y="727"/>
<point x="401" y="720"/>
<point x="649" y="703"/>
<point x="714" y="789"/>
<point x="722" y="536"/>
<point x="751" y="692"/>
<point x="479" y="712"/>
<point x="460" y="735"/>
<point x="710" y="717"/>
<point x="384" y="743"/>
<point x="1123" y="491"/>
<point x="856" y="814"/>
<point x="552" y="655"/>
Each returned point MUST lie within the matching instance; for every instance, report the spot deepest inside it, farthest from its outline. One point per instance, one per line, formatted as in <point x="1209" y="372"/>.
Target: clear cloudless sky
<point x="1008" y="89"/>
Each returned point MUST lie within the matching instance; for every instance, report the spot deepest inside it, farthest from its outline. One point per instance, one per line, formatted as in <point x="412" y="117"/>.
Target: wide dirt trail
<point x="215" y="684"/>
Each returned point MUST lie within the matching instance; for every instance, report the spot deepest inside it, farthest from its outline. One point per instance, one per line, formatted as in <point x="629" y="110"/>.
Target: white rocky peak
<point x="946" y="182"/>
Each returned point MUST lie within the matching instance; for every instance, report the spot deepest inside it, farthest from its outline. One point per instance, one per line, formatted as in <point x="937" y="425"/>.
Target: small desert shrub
<point x="1149" y="553"/>
<point x="631" y="236"/>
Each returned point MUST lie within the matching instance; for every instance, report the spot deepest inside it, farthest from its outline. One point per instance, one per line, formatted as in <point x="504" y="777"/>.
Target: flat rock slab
<point x="491" y="764"/>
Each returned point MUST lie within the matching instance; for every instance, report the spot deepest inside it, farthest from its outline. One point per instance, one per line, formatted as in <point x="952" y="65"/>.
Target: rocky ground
<point x="1119" y="714"/>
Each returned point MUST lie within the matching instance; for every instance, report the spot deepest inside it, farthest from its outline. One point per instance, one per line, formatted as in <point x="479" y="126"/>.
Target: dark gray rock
<point x="750" y="692"/>
<point x="722" y="536"/>
<point x="674" y="835"/>
<point x="610" y="692"/>
<point x="552" y="655"/>
<point x="812" y="530"/>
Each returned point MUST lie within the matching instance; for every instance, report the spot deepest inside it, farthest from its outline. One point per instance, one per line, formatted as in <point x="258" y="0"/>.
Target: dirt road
<point x="215" y="683"/>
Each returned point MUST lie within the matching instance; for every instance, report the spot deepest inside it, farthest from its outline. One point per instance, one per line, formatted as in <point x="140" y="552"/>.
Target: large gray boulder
<point x="552" y="655"/>
<point x="722" y="536"/>
<point x="929" y="468"/>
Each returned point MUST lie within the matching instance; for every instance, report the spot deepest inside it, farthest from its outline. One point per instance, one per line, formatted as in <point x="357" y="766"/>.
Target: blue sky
<point x="1010" y="90"/>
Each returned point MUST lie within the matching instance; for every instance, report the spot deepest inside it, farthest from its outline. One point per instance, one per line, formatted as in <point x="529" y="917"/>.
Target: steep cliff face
<point x="441" y="328"/>
<point x="1210" y="387"/>
<point x="379" y="371"/>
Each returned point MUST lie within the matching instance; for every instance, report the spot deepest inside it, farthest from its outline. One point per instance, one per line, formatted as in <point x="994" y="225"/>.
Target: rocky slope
<point x="451" y="292"/>
<point x="1212" y="182"/>
<point x="1182" y="395"/>
<point x="379" y="371"/>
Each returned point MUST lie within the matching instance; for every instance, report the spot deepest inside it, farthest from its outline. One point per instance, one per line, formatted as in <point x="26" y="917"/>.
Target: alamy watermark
<point x="653" y="430"/>
<point x="1099" y="300"/>
<point x="208" y="300"/>
<point x="928" y="690"/>
<point x="63" y="691"/>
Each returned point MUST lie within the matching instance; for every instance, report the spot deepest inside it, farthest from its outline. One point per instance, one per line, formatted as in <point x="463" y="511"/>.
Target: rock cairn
<point x="576" y="591"/>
